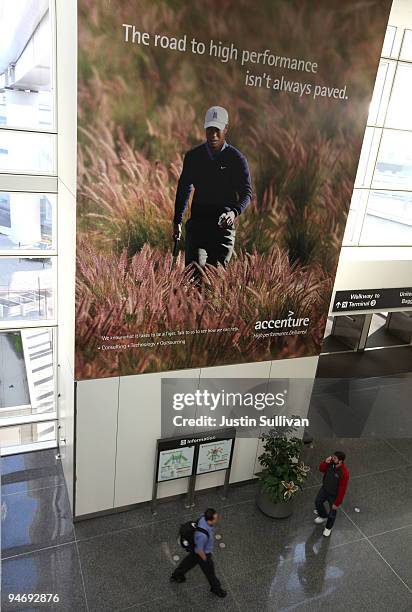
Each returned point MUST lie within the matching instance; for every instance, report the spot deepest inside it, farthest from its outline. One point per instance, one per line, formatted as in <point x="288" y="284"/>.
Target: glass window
<point x="28" y="146"/>
<point x="27" y="152"/>
<point x="399" y="110"/>
<point x="26" y="71"/>
<point x="367" y="157"/>
<point x="350" y="228"/>
<point x="5" y="219"/>
<point x="21" y="438"/>
<point x="388" y="43"/>
<point x="28" y="383"/>
<point x="406" y="50"/>
<point x="27" y="221"/>
<point x="26" y="289"/>
<point x="394" y="164"/>
<point x="355" y="217"/>
<point x="381" y="92"/>
<point x="388" y="219"/>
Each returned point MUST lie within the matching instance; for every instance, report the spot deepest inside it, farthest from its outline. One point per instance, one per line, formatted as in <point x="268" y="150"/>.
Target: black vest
<point x="331" y="479"/>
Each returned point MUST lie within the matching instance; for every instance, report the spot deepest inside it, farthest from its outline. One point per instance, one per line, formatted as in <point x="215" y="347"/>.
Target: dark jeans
<point x="207" y="243"/>
<point x="207" y="567"/>
<point x="322" y="497"/>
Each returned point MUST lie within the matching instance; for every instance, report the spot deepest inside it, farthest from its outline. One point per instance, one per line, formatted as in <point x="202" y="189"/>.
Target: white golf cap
<point x="216" y="116"/>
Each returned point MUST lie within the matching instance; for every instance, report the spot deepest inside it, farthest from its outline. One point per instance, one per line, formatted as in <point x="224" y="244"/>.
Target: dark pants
<point x="207" y="567"/>
<point x="322" y="497"/>
<point x="207" y="243"/>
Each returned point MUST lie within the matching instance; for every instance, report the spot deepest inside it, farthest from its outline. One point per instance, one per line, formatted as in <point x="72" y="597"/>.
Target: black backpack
<point x="187" y="535"/>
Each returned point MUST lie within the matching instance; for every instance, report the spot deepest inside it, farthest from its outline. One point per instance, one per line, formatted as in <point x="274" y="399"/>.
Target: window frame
<point x="17" y="181"/>
<point x="50" y="416"/>
<point x="53" y="62"/>
<point x="36" y="252"/>
<point x="375" y="132"/>
<point x="24" y="171"/>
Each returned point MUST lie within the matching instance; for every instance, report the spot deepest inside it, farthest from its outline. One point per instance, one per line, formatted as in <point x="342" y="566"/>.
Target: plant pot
<point x="274" y="510"/>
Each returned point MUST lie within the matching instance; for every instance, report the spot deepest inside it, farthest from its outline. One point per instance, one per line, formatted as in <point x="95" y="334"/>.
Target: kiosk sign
<point x="187" y="457"/>
<point x="214" y="456"/>
<point x="175" y="463"/>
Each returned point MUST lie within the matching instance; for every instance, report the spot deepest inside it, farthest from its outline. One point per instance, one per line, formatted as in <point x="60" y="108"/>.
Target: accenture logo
<point x="288" y="323"/>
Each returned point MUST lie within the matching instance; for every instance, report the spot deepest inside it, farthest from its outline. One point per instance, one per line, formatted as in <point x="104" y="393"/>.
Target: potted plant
<point x="282" y="474"/>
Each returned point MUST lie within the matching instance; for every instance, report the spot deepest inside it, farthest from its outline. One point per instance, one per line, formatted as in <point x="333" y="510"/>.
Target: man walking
<point x="333" y="489"/>
<point x="219" y="175"/>
<point x="202" y="554"/>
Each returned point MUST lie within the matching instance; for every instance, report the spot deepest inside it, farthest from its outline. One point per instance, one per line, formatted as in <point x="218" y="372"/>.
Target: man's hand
<point x="226" y="219"/>
<point x="334" y="507"/>
<point x="202" y="555"/>
<point x="177" y="231"/>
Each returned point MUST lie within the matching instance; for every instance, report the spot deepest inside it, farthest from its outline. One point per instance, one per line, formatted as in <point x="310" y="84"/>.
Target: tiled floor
<point x="123" y="562"/>
<point x="357" y="406"/>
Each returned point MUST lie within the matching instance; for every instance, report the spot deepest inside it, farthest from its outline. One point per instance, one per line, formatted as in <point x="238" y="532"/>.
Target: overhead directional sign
<point x="372" y="299"/>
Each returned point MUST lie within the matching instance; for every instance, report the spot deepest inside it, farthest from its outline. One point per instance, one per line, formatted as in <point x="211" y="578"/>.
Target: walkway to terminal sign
<point x="372" y="299"/>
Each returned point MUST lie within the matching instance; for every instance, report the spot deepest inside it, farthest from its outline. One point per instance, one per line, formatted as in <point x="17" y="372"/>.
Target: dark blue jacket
<point x="220" y="183"/>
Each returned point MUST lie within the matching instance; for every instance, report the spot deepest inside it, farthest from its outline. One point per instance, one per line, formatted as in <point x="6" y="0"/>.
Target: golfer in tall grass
<point x="219" y="175"/>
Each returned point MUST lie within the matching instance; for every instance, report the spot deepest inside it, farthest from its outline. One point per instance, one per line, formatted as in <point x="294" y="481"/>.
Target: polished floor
<point x="123" y="562"/>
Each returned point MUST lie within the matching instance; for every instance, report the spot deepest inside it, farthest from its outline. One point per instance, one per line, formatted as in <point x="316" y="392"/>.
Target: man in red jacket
<point x="333" y="489"/>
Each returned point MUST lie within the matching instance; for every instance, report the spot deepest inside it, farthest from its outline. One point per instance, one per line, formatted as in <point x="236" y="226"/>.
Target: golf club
<point x="175" y="252"/>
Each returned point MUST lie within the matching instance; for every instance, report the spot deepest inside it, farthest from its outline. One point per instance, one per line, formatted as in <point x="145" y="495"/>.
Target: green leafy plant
<point x="16" y="343"/>
<point x="283" y="474"/>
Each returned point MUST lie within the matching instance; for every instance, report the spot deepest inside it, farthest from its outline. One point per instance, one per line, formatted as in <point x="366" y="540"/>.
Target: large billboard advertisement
<point x="218" y="143"/>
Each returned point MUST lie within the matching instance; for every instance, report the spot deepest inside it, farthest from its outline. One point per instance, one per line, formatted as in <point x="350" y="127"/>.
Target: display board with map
<point x="175" y="463"/>
<point x="214" y="456"/>
<point x="182" y="457"/>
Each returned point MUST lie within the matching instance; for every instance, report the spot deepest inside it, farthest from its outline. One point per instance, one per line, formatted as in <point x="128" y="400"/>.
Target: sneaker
<point x="326" y="532"/>
<point x="178" y="579"/>
<point x="319" y="520"/>
<point x="219" y="592"/>
<point x="315" y="512"/>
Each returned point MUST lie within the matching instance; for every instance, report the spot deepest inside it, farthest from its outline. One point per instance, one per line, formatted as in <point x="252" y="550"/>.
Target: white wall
<point x="119" y="421"/>
<point x="96" y="441"/>
<point x="66" y="68"/>
<point x="66" y="433"/>
<point x="401" y="13"/>
<point x="66" y="52"/>
<point x="139" y="427"/>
